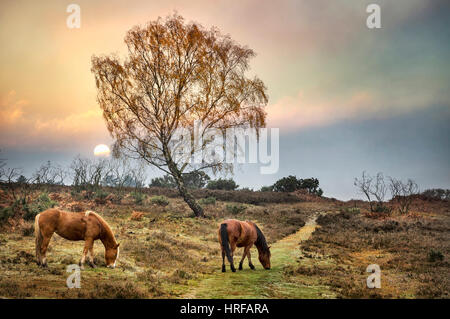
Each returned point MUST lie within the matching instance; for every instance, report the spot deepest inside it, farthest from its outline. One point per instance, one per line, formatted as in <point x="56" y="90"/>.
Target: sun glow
<point x="101" y="150"/>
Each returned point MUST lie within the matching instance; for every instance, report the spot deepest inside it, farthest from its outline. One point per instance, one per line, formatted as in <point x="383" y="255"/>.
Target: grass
<point x="159" y="200"/>
<point x="165" y="253"/>
<point x="162" y="252"/>
<point x="262" y="283"/>
<point x="408" y="251"/>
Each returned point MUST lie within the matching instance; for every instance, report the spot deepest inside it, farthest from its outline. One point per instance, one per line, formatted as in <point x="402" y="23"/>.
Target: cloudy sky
<point x="346" y="98"/>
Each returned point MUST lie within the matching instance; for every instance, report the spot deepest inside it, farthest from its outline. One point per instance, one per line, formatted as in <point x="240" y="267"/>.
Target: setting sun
<point x="101" y="150"/>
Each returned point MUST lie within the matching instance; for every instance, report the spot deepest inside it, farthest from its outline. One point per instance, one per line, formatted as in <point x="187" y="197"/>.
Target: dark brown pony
<point x="87" y="226"/>
<point x="235" y="233"/>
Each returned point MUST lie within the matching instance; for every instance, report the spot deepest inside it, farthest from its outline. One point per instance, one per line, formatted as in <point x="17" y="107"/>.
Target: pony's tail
<point x="225" y="244"/>
<point x="38" y="237"/>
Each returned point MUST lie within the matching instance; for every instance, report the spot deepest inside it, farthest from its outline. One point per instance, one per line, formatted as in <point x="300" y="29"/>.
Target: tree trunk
<point x="188" y="198"/>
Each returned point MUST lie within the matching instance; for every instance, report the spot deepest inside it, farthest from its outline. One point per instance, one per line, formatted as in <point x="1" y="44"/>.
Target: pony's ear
<point x="118" y="244"/>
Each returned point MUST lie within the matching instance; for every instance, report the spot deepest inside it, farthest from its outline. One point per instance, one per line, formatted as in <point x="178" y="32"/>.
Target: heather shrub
<point x="138" y="197"/>
<point x="5" y="214"/>
<point x="435" y="255"/>
<point x="100" y="196"/>
<point x="235" y="209"/>
<point x="43" y="202"/>
<point x="207" y="201"/>
<point x="222" y="184"/>
<point x="159" y="200"/>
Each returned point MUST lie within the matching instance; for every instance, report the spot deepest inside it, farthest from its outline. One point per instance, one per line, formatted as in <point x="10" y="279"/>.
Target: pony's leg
<point x="243" y="256"/>
<point x="223" y="261"/>
<point x="250" y="260"/>
<point x="83" y="258"/>
<point x="44" y="246"/>
<point x="233" y="248"/>
<point x="91" y="255"/>
<point x="87" y="245"/>
<point x="38" y="249"/>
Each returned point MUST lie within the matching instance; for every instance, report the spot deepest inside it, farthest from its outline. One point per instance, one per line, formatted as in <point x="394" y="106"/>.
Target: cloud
<point x="74" y="123"/>
<point x="11" y="109"/>
<point x="320" y="62"/>
<point x="304" y="110"/>
<point x="311" y="109"/>
<point x="21" y="129"/>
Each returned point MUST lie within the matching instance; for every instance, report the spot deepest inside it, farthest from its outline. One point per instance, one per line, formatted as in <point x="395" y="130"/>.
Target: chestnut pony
<point x="235" y="233"/>
<point x="87" y="226"/>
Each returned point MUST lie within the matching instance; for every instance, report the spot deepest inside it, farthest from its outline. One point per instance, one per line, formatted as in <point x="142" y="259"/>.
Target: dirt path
<point x="262" y="283"/>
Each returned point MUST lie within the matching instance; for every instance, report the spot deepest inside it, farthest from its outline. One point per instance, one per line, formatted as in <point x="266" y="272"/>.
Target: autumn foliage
<point x="176" y="73"/>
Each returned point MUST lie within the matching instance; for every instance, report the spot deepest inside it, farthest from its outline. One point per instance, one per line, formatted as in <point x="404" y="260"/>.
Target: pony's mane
<point x="261" y="240"/>
<point x="104" y="224"/>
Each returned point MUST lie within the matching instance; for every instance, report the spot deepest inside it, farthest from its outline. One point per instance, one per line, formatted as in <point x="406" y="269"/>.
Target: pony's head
<point x="263" y="248"/>
<point x="264" y="257"/>
<point x="111" y="256"/>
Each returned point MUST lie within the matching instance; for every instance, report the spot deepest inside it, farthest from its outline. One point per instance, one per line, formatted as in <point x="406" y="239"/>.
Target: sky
<point x="346" y="98"/>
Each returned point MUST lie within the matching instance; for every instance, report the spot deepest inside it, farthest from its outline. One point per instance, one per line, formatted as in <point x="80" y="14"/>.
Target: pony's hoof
<point x="223" y="269"/>
<point x="240" y="267"/>
<point x="252" y="267"/>
<point x="233" y="269"/>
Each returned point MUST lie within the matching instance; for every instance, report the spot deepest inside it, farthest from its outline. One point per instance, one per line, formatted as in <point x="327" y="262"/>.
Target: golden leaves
<point x="176" y="73"/>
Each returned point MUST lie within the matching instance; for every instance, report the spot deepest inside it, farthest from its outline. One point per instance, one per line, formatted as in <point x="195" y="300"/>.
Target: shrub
<point x="100" y="196"/>
<point x="286" y="184"/>
<point x="350" y="210"/>
<point x="222" y="184"/>
<point x="28" y="230"/>
<point x="43" y="202"/>
<point x="166" y="181"/>
<point x="436" y="194"/>
<point x="116" y="290"/>
<point x="5" y="214"/>
<point x="435" y="255"/>
<point x="137" y="216"/>
<point x="138" y="197"/>
<point x="160" y="200"/>
<point x="235" y="209"/>
<point x="192" y="180"/>
<point x="292" y="183"/>
<point x="297" y="221"/>
<point x="267" y="189"/>
<point x="311" y="185"/>
<point x="241" y="196"/>
<point x="196" y="179"/>
<point x="207" y="201"/>
<point x="380" y="211"/>
<point x="76" y="195"/>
